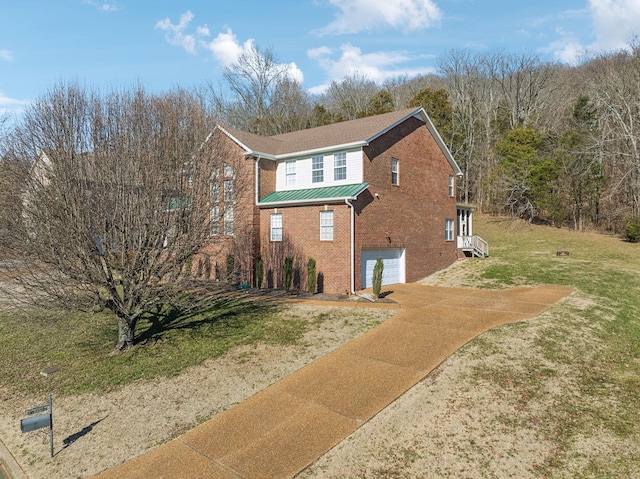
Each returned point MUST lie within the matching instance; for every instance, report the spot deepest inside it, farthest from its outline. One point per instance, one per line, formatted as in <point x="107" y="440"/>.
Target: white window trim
<point x="214" y="221"/>
<point x="290" y="173"/>
<point x="228" y="220"/>
<point x="452" y="189"/>
<point x="340" y="165"/>
<point x="395" y="170"/>
<point x="326" y="225"/>
<point x="274" y="226"/>
<point x="317" y="170"/>
<point x="449" y="233"/>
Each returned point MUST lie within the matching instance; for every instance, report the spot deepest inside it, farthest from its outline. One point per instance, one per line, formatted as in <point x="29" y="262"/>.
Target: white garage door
<point x="393" y="259"/>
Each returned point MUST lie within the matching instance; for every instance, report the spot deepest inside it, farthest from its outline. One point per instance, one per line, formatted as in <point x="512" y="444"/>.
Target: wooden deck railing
<point x="475" y="245"/>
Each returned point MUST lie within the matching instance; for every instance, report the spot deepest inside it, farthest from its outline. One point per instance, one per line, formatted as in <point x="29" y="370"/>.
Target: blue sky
<point x="166" y="43"/>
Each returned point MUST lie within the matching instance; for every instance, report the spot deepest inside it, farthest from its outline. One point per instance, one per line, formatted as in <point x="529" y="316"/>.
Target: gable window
<point x="326" y="225"/>
<point x="451" y="186"/>
<point x="214" y="221"/>
<point x="395" y="171"/>
<point x="290" y="172"/>
<point x="228" y="220"/>
<point x="317" y="169"/>
<point x="340" y="166"/>
<point x="228" y="170"/>
<point x="448" y="230"/>
<point x="276" y="227"/>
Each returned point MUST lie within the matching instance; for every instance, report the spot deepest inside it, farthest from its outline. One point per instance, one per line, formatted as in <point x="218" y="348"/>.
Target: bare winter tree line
<point x="106" y="197"/>
<point x="541" y="141"/>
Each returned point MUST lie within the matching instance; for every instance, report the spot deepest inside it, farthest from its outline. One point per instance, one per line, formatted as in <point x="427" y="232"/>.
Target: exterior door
<point x="394" y="265"/>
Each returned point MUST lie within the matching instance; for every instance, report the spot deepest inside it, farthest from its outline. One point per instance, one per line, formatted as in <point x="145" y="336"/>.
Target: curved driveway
<point x="287" y="426"/>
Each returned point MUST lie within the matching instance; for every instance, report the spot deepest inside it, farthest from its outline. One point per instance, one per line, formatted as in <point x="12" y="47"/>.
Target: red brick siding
<point x="245" y="242"/>
<point x="411" y="215"/>
<point x="301" y="239"/>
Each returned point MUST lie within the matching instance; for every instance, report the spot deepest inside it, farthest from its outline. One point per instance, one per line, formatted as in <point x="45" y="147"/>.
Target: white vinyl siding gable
<point x="304" y="171"/>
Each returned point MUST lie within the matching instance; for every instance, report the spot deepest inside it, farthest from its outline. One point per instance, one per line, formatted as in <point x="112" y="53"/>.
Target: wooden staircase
<point x="475" y="246"/>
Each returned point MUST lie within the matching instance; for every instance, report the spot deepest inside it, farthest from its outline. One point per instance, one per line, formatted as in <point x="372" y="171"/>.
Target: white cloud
<point x="11" y="105"/>
<point x="226" y="48"/>
<point x="175" y="34"/>
<point x="615" y="23"/>
<point x="361" y="15"/>
<point x="295" y="73"/>
<point x="6" y="55"/>
<point x="103" y="7"/>
<point x="377" y="66"/>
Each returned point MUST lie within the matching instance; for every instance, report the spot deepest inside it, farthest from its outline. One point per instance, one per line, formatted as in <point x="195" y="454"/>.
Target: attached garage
<point x="394" y="265"/>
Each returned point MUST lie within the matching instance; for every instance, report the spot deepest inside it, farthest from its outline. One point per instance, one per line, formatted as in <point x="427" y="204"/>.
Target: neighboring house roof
<point x="314" y="195"/>
<point x="346" y="134"/>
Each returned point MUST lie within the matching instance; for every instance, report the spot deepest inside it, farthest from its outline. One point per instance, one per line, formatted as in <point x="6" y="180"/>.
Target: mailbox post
<point x="38" y="418"/>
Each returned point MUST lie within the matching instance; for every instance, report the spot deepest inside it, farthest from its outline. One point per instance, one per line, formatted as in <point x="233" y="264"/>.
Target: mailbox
<point x="32" y="423"/>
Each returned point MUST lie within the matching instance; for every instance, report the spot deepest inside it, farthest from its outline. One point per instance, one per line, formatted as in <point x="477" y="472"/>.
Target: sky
<point x="163" y="44"/>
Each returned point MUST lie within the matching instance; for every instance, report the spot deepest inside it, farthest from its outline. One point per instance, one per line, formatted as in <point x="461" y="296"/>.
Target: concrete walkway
<point x="284" y="428"/>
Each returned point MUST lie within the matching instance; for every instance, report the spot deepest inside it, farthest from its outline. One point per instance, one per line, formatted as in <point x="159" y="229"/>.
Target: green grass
<point x="168" y="343"/>
<point x="590" y="351"/>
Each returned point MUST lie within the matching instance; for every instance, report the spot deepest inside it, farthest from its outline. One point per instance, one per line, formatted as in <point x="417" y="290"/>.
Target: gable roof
<point x="336" y="136"/>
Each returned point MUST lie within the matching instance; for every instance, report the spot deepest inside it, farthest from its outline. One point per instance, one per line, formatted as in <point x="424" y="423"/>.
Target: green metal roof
<point x="313" y="195"/>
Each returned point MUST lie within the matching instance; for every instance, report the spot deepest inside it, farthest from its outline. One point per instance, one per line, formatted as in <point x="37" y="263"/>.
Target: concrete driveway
<point x="284" y="428"/>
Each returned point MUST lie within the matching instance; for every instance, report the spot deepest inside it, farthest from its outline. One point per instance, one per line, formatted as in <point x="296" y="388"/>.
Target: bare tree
<point x="614" y="85"/>
<point x="259" y="94"/>
<point x="117" y="202"/>
<point x="349" y="97"/>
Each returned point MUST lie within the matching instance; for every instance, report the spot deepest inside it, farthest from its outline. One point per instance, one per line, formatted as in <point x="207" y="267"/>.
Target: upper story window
<point x="317" y="169"/>
<point x="228" y="170"/>
<point x="290" y="172"/>
<point x="276" y="227"/>
<point x="340" y="166"/>
<point x="395" y="171"/>
<point x="215" y="191"/>
<point x="326" y="225"/>
<point x="228" y="190"/>
<point x="452" y="184"/>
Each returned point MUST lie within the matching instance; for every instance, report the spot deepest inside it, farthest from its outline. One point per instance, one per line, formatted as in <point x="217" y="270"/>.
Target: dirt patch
<point x="97" y="431"/>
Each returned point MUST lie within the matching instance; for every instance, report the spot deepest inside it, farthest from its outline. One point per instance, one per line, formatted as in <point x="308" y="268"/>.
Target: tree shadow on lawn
<point x="226" y="309"/>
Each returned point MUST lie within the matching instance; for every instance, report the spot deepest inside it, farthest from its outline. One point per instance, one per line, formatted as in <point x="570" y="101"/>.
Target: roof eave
<point x="305" y="153"/>
<point x="436" y="135"/>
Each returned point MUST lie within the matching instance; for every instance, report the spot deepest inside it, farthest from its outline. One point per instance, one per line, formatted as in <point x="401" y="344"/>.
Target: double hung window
<point x="340" y="166"/>
<point x="276" y="227"/>
<point x="395" y="171"/>
<point x="326" y="225"/>
<point x="290" y="172"/>
<point x="448" y="230"/>
<point x="317" y="169"/>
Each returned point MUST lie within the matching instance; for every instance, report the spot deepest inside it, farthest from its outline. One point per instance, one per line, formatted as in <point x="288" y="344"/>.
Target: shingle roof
<point x="336" y="134"/>
<point x="314" y="195"/>
<point x="358" y="132"/>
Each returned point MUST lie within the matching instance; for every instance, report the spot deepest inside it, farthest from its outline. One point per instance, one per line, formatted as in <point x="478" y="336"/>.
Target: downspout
<point x="257" y="180"/>
<point x="352" y="246"/>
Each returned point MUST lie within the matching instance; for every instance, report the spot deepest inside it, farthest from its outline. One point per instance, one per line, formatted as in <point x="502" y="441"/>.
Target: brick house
<point x="343" y="194"/>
